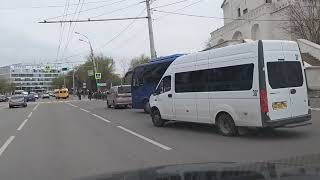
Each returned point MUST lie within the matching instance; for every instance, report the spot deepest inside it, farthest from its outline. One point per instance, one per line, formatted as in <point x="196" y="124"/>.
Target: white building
<point x="31" y="77"/>
<point x="252" y="19"/>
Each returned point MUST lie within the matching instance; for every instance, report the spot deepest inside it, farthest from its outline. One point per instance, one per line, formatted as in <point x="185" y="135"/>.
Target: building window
<point x="239" y="12"/>
<point x="245" y="11"/>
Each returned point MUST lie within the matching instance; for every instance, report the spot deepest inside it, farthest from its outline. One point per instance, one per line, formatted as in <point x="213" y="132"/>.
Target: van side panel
<point x="184" y="107"/>
<point x="243" y="106"/>
<point x="202" y="98"/>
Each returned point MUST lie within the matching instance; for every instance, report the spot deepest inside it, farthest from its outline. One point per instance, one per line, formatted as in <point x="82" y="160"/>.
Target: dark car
<point x="31" y="98"/>
<point x="3" y="98"/>
<point x="17" y="100"/>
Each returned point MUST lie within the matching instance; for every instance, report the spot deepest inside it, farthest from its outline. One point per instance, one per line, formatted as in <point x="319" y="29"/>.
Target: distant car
<point x="119" y="96"/>
<point x="35" y="95"/>
<point x="17" y="100"/>
<point x="3" y="98"/>
<point x="45" y="96"/>
<point x="31" y="97"/>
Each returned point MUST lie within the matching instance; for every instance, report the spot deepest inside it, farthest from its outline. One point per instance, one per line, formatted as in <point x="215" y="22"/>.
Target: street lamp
<point x="91" y="54"/>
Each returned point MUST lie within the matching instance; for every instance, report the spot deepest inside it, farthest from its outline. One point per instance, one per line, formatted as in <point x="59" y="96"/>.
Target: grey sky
<point x="24" y="40"/>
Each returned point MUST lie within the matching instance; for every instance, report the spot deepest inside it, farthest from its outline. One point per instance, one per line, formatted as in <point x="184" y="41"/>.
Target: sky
<point x="23" y="39"/>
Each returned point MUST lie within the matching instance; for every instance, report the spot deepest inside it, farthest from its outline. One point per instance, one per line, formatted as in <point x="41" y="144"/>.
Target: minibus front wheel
<point x="156" y="118"/>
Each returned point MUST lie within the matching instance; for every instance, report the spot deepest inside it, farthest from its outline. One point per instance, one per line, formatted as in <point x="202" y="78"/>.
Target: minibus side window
<point x="166" y="83"/>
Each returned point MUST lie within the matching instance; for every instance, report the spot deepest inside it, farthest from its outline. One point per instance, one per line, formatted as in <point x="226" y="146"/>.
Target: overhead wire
<point x="62" y="28"/>
<point x="221" y="18"/>
<point x="70" y="33"/>
<point x="189" y="5"/>
<point x="89" y="9"/>
<point x="170" y="4"/>
<point x="125" y="29"/>
<point x="108" y="42"/>
<point x="52" y="6"/>
<point x="116" y="10"/>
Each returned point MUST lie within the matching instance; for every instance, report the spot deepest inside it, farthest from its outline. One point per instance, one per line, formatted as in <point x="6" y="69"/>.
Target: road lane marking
<point x="72" y="105"/>
<point x="146" y="139"/>
<point x="22" y="124"/>
<point x="315" y="109"/>
<point x="30" y="115"/>
<point x="6" y="144"/>
<point x="85" y="110"/>
<point x="35" y="107"/>
<point x="103" y="119"/>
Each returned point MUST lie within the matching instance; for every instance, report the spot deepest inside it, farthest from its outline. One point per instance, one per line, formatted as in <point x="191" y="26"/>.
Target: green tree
<point x="105" y="66"/>
<point x="6" y="86"/>
<point x="3" y="85"/>
<point x="58" y="82"/>
<point x="142" y="59"/>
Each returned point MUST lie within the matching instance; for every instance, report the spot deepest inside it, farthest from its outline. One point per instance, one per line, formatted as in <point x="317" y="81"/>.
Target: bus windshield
<point x="150" y="73"/>
<point x="145" y="79"/>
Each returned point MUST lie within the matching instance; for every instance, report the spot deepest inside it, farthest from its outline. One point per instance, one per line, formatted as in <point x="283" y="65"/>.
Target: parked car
<point x="119" y="96"/>
<point x="45" y="96"/>
<point x="17" y="100"/>
<point x="31" y="97"/>
<point x="3" y="98"/>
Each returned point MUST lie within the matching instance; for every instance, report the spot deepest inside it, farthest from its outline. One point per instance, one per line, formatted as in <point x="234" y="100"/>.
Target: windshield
<point x="182" y="89"/>
<point x="16" y="97"/>
<point x="285" y="74"/>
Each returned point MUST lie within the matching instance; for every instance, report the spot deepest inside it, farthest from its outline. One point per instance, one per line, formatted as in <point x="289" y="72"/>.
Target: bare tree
<point x="304" y="19"/>
<point x="125" y="65"/>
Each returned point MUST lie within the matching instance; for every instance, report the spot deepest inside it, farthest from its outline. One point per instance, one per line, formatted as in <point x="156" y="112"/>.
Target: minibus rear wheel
<point x="226" y="125"/>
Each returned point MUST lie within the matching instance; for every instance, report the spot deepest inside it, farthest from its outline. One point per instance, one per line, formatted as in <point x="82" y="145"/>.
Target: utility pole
<point x="151" y="38"/>
<point x="91" y="56"/>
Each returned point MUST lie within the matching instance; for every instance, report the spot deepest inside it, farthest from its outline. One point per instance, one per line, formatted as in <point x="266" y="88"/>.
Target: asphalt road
<point x="72" y="139"/>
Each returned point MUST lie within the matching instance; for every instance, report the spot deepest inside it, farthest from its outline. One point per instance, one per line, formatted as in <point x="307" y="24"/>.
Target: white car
<point x="45" y="96"/>
<point x="17" y="100"/>
<point x="257" y="84"/>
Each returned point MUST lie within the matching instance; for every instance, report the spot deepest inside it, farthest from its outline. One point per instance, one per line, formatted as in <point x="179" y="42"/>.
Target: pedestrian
<point x="79" y="95"/>
<point x="90" y="95"/>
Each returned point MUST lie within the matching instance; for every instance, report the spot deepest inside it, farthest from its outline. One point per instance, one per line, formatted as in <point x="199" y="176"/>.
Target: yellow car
<point x="61" y="93"/>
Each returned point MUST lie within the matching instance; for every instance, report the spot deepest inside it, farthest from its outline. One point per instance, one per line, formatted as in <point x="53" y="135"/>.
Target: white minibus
<point x="257" y="84"/>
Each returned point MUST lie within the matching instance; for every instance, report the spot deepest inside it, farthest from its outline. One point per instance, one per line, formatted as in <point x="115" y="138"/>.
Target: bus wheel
<point x="226" y="125"/>
<point x="156" y="118"/>
<point x="146" y="107"/>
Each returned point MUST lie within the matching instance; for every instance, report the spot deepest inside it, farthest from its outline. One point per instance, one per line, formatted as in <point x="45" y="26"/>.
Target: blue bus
<point x="145" y="79"/>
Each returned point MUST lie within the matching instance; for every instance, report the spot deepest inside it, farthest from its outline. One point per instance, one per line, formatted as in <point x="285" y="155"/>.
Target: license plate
<point x="279" y="105"/>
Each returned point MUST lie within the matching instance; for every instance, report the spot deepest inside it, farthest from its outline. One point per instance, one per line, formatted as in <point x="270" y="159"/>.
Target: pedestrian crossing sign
<point x="98" y="76"/>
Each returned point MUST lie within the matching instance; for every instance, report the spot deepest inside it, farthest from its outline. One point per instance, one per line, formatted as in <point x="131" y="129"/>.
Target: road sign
<point x="98" y="76"/>
<point x="101" y="84"/>
<point x="84" y="85"/>
<point x="47" y="68"/>
<point x="64" y="69"/>
<point x="90" y="73"/>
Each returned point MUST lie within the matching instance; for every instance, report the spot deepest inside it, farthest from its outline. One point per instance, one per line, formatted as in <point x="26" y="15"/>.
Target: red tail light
<point x="263" y="101"/>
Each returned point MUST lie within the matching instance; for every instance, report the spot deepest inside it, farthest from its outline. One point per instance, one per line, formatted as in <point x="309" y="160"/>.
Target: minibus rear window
<point x="285" y="74"/>
<point x="124" y="89"/>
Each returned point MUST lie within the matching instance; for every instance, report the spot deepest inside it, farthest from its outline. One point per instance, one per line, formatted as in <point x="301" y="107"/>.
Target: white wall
<point x="230" y="10"/>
